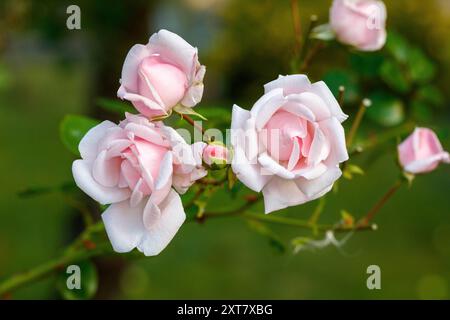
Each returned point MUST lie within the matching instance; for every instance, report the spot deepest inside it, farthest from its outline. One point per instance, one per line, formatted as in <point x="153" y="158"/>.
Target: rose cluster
<point x="140" y="166"/>
<point x="289" y="145"/>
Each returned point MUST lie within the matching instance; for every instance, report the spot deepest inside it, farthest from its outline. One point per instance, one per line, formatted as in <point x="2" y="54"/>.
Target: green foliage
<point x="116" y="106"/>
<point x="218" y="117"/>
<point x="430" y="95"/>
<point x="350" y="170"/>
<point x="88" y="278"/>
<point x="421" y="111"/>
<point x="366" y="64"/>
<point x="347" y="219"/>
<point x="231" y="178"/>
<point x="386" y="110"/>
<point x="41" y="190"/>
<point x="267" y="233"/>
<point x="393" y="75"/>
<point x="407" y="73"/>
<point x="73" y="128"/>
<point x="407" y="65"/>
<point x="180" y="109"/>
<point x="339" y="77"/>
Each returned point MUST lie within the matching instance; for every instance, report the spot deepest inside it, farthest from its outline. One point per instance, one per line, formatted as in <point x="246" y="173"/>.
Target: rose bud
<point x="421" y="152"/>
<point x="161" y="74"/>
<point x="359" y="23"/>
<point x="216" y="155"/>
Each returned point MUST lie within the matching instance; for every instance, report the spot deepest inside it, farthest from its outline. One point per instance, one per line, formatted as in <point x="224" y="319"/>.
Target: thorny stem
<point x="82" y="208"/>
<point x="75" y="252"/>
<point x="317" y="212"/>
<point x="297" y="26"/>
<point x="307" y="54"/>
<point x="196" y="196"/>
<point x="79" y="250"/>
<point x="359" y="115"/>
<point x="195" y="125"/>
<point x="376" y="208"/>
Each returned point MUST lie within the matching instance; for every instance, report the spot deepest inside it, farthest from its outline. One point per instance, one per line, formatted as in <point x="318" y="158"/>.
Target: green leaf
<point x="73" y="128"/>
<point x="431" y="95"/>
<point x="323" y="32"/>
<point x="348" y="220"/>
<point x="266" y="232"/>
<point x="355" y="169"/>
<point x="231" y="177"/>
<point x="421" y="111"/>
<point x="394" y="76"/>
<point x="201" y="206"/>
<point x="386" y="109"/>
<point x="186" y="110"/>
<point x="421" y="69"/>
<point x="398" y="46"/>
<point x="366" y="64"/>
<point x="351" y="169"/>
<point x="415" y="64"/>
<point x="115" y="106"/>
<point x="88" y="282"/>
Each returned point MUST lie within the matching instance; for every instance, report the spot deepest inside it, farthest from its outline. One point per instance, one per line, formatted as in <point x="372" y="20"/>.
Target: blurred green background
<point x="48" y="71"/>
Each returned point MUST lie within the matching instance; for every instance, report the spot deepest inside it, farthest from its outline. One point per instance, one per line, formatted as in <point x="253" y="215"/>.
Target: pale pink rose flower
<point x="359" y="23"/>
<point x="161" y="74"/>
<point x="133" y="167"/>
<point x="421" y="152"/>
<point x="290" y="144"/>
<point x="216" y="154"/>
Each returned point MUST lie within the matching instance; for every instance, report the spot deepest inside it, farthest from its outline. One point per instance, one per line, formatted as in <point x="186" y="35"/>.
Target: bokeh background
<point x="48" y="71"/>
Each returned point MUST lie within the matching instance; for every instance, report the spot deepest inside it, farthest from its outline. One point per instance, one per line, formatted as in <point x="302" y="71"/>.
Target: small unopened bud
<point x="216" y="155"/>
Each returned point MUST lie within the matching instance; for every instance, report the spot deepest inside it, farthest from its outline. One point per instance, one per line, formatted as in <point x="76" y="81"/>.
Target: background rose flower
<point x="291" y="142"/>
<point x="133" y="166"/>
<point x="161" y="74"/>
<point x="359" y="23"/>
<point x="421" y="152"/>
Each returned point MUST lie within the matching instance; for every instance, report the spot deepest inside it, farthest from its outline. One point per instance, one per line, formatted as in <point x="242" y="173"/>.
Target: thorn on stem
<point x="89" y="244"/>
<point x="251" y="198"/>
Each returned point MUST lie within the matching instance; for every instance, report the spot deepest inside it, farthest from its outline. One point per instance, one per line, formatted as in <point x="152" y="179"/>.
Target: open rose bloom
<point x="162" y="74"/>
<point x="359" y="23"/>
<point x="133" y="167"/>
<point x="290" y="144"/>
<point x="421" y="152"/>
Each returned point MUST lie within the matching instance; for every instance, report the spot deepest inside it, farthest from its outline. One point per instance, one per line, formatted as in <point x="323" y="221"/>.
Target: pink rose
<point x="216" y="155"/>
<point x="162" y="74"/>
<point x="421" y="152"/>
<point x="290" y="144"/>
<point x="359" y="23"/>
<point x="133" y="166"/>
